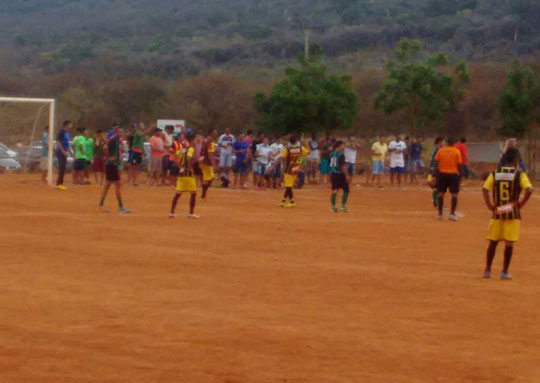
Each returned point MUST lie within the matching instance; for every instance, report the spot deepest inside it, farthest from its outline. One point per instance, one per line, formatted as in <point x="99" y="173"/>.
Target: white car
<point x="5" y="149"/>
<point x="8" y="163"/>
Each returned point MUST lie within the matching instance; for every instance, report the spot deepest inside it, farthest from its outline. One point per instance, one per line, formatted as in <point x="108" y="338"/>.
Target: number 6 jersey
<point x="506" y="184"/>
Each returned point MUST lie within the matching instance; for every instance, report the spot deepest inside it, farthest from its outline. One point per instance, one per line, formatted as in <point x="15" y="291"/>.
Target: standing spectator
<point x="156" y="157"/>
<point x="62" y="152"/>
<point x="275" y="167"/>
<point x="326" y="149"/>
<point x="397" y="149"/>
<point x="350" y="152"/>
<point x="511" y="143"/>
<point x="253" y="155"/>
<point x="79" y="145"/>
<point x="44" y="161"/>
<point x="378" y="153"/>
<point x="100" y="147"/>
<point x="416" y="159"/>
<point x="89" y="149"/>
<point x="464" y="150"/>
<point x="406" y="157"/>
<point x="263" y="154"/>
<point x="313" y="159"/>
<point x="240" y="148"/>
<point x="138" y="153"/>
<point x="439" y="141"/>
<point x="448" y="160"/>
<point x="167" y="147"/>
<point x="225" y="144"/>
<point x="114" y="157"/>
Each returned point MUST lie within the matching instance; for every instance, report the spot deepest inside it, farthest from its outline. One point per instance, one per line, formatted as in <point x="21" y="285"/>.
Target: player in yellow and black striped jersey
<point x="207" y="160"/>
<point x="506" y="185"/>
<point x="186" y="177"/>
<point x="291" y="159"/>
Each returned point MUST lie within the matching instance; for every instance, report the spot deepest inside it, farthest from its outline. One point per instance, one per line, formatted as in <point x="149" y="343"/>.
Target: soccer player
<point x="292" y="158"/>
<point x="89" y="149"/>
<point x="186" y="179"/>
<point x="326" y="149"/>
<point x="506" y="184"/>
<point x="397" y="149"/>
<point x="79" y="145"/>
<point x="447" y="162"/>
<point x="137" y="153"/>
<point x="462" y="147"/>
<point x="431" y="177"/>
<point x="62" y="152"/>
<point x="378" y="152"/>
<point x="100" y="147"/>
<point x="338" y="177"/>
<point x="207" y="162"/>
<point x="112" y="174"/>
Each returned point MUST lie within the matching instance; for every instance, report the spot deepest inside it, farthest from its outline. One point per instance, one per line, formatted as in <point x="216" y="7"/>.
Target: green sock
<point x="344" y="198"/>
<point x="102" y="201"/>
<point x="120" y="205"/>
<point x="333" y="199"/>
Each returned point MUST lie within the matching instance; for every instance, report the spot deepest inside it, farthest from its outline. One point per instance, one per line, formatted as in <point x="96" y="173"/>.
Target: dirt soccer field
<point x="256" y="293"/>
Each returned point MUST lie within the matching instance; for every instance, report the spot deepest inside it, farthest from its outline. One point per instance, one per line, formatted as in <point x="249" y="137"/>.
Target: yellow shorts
<point x="503" y="230"/>
<point x="289" y="180"/>
<point x="186" y="184"/>
<point x="208" y="173"/>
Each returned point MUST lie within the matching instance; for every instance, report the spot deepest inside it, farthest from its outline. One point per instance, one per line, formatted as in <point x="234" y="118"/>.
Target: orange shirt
<point x="449" y="159"/>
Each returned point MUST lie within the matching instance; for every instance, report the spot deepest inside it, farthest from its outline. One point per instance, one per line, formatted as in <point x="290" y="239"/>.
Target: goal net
<point x="22" y="128"/>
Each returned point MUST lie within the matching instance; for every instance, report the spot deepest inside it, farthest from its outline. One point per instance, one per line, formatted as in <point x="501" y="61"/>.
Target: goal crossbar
<point x="52" y="105"/>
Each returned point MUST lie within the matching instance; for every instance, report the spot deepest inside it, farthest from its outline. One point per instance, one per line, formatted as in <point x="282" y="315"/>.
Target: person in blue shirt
<point x="44" y="165"/>
<point x="62" y="152"/>
<point x="240" y="149"/>
<point x="416" y="159"/>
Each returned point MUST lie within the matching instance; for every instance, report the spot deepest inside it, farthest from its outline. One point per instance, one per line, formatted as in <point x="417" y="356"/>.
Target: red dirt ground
<point x="256" y="293"/>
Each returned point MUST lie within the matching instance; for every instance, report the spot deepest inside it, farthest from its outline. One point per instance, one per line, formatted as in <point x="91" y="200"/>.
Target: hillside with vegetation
<point x="205" y="60"/>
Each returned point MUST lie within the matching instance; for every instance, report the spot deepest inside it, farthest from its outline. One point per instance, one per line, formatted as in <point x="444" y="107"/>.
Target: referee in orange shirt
<point x="448" y="160"/>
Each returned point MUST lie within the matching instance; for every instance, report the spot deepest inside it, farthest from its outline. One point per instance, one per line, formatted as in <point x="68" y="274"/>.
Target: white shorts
<point x="43" y="163"/>
<point x="225" y="160"/>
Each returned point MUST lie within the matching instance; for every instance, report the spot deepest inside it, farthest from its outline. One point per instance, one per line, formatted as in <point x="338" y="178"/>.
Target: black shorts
<point x="446" y="181"/>
<point x="79" y="165"/>
<point x="339" y="181"/>
<point x="135" y="158"/>
<point x="111" y="173"/>
<point x="174" y="169"/>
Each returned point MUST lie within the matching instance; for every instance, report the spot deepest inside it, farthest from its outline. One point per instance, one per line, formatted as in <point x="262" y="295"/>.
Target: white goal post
<point x="52" y="106"/>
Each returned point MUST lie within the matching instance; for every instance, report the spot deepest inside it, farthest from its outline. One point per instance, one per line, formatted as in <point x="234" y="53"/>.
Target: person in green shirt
<point x="79" y="145"/>
<point x="338" y="177"/>
<point x="137" y="155"/>
<point x="89" y="149"/>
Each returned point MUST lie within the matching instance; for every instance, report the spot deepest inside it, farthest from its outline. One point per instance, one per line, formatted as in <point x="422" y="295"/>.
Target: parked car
<point x="31" y="156"/>
<point x="8" y="163"/>
<point x="11" y="153"/>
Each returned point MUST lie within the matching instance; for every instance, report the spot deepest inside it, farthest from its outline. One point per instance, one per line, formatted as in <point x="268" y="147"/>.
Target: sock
<point x="435" y="196"/>
<point x="508" y="250"/>
<point x="174" y="202"/>
<point x="291" y="195"/>
<point x="102" y="201"/>
<point x="454" y="205"/>
<point x="333" y="199"/>
<point x="205" y="190"/>
<point x="344" y="198"/>
<point x="440" y="203"/>
<point x="120" y="205"/>
<point x="490" y="254"/>
<point x="192" y="203"/>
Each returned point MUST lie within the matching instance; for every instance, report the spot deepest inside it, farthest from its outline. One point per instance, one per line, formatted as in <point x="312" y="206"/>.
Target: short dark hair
<point x="293" y="139"/>
<point x="115" y="124"/>
<point x="99" y="131"/>
<point x="338" y="144"/>
<point x="438" y="140"/>
<point x="451" y="141"/>
<point x="250" y="131"/>
<point x="511" y="156"/>
<point x="462" y="140"/>
<point x="81" y="129"/>
<point x="169" y="127"/>
<point x="66" y="123"/>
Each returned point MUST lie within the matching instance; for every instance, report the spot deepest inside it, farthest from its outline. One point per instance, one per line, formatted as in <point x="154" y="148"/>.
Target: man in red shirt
<point x="462" y="147"/>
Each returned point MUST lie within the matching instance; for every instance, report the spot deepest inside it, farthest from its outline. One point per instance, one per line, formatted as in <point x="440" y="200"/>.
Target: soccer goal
<point x="52" y="106"/>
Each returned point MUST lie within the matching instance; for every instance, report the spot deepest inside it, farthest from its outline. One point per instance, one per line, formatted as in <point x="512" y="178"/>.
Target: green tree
<point x="308" y="99"/>
<point x="519" y="107"/>
<point x="419" y="87"/>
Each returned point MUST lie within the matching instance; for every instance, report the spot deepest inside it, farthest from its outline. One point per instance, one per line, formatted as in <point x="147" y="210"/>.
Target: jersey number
<point x="504" y="191"/>
<point x="333" y="162"/>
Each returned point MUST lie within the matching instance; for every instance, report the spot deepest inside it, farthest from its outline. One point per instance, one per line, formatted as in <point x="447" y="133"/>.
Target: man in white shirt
<point x="397" y="150"/>
<point x="263" y="154"/>
<point x="275" y="166"/>
<point x="225" y="144"/>
<point x="350" y="151"/>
